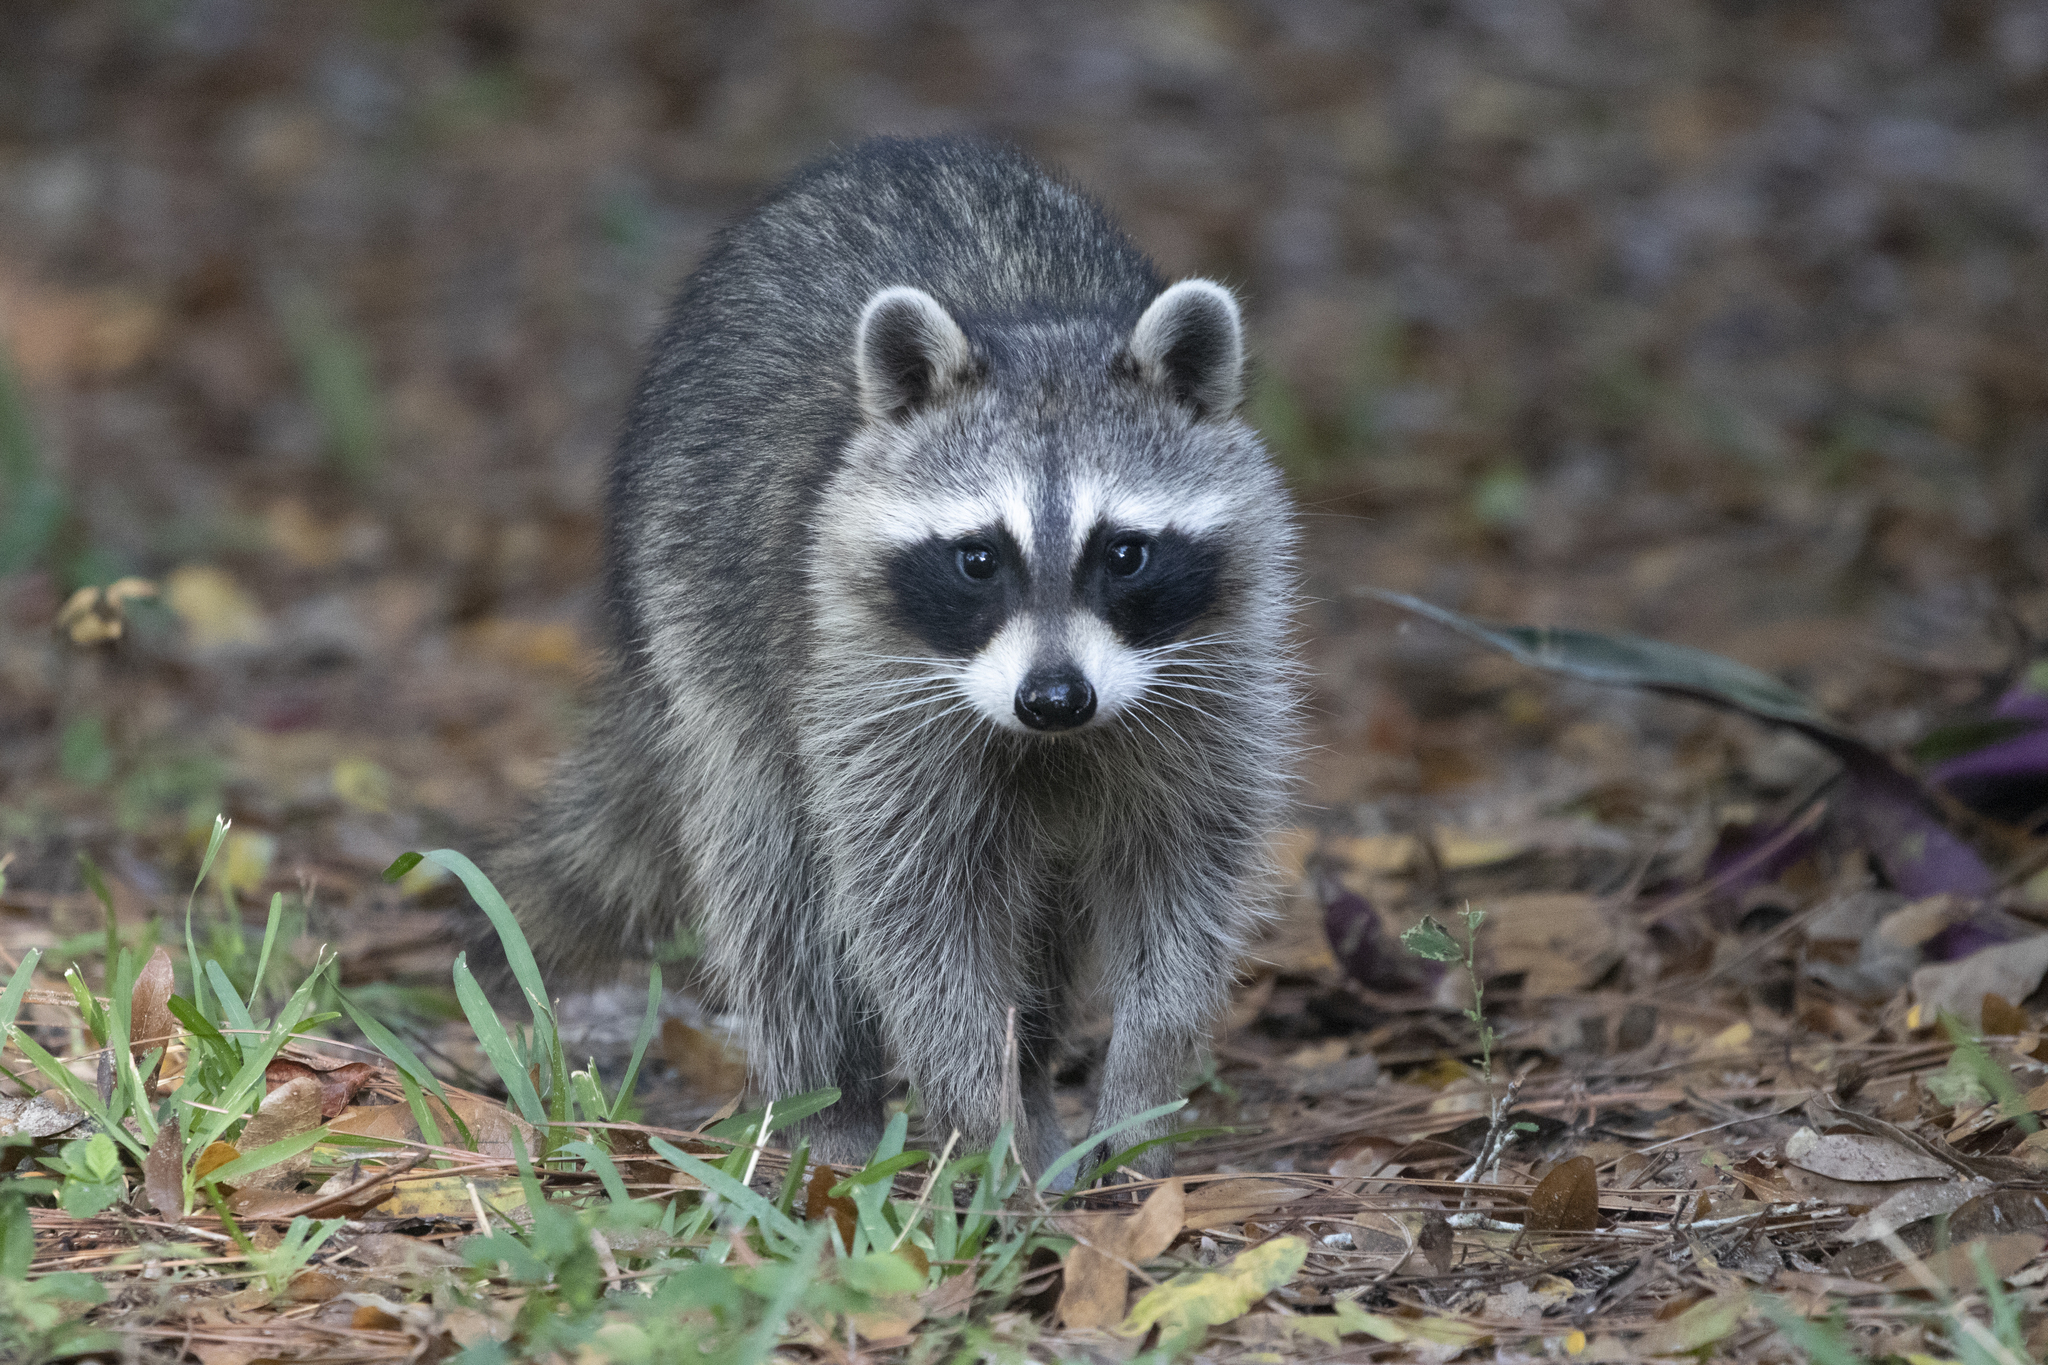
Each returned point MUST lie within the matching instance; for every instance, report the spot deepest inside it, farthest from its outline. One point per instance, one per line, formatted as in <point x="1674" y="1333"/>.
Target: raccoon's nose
<point x="1055" y="701"/>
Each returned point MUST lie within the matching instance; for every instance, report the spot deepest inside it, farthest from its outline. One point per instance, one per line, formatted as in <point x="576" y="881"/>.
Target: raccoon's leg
<point x="1169" y="949"/>
<point x="782" y="966"/>
<point x="809" y="1026"/>
<point x="1041" y="1036"/>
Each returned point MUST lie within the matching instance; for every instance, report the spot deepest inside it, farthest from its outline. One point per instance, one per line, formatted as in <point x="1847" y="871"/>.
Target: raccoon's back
<point x="749" y="396"/>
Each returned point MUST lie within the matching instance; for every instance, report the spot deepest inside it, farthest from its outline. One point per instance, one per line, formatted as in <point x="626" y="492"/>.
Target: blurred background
<point x="1715" y="320"/>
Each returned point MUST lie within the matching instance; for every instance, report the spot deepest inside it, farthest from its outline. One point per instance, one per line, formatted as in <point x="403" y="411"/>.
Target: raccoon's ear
<point x="1191" y="342"/>
<point x="907" y="353"/>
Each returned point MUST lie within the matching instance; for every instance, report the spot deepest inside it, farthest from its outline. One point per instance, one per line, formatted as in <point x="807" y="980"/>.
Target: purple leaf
<point x="1919" y="854"/>
<point x="2008" y="779"/>
<point x="1363" y="947"/>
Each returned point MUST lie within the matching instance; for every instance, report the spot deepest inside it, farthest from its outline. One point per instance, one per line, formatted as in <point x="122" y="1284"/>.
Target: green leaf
<point x="731" y="1190"/>
<point x="1431" y="940"/>
<point x="264" y="1157"/>
<point x="1090" y="1143"/>
<point x="402" y="864"/>
<point x="1631" y="661"/>
<point x="497" y="1045"/>
<point x="650" y="1024"/>
<point x="1125" y="1157"/>
<point x="880" y="1170"/>
<point x="17" y="988"/>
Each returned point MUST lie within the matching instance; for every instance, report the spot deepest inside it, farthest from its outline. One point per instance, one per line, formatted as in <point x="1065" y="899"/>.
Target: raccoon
<point x="950" y="602"/>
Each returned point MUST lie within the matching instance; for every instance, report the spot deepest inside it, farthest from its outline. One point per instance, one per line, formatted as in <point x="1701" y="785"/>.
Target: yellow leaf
<point x="1734" y="1038"/>
<point x="1574" y="1343"/>
<point x="1348" y="1321"/>
<point x="1186" y="1304"/>
<point x="363" y="784"/>
<point x="448" y="1197"/>
<point x="1697" y="1328"/>
<point x="245" y="860"/>
<point x="215" y="609"/>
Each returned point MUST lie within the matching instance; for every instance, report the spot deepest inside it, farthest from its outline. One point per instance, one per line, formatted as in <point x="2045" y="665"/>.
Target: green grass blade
<point x="266" y="1156"/>
<point x="230" y="1000"/>
<point x="1090" y="1143"/>
<point x="86" y="1097"/>
<point x="17" y="987"/>
<point x="497" y="1045"/>
<point x="728" y="1188"/>
<point x="269" y="940"/>
<point x="600" y="1161"/>
<point x="650" y="1024"/>
<point x="880" y="1170"/>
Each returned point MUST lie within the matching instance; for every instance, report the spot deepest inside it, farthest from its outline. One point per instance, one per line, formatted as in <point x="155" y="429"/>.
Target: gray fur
<point x="880" y="861"/>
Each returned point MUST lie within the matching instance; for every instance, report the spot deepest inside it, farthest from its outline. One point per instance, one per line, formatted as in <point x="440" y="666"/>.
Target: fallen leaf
<point x="950" y="1297"/>
<point x="819" y="1202"/>
<point x="291" y="1109"/>
<point x="703" y="1060"/>
<point x="1094" y="1276"/>
<point x="1558" y="942"/>
<point x="448" y="1197"/>
<point x="1435" y="1241"/>
<point x="1860" y="1157"/>
<point x="398" y="1254"/>
<point x="150" y="1023"/>
<point x="338" y="1085"/>
<point x="1910" y="1205"/>
<point x="218" y="613"/>
<point x="1697" y="1328"/>
<point x="2000" y="1016"/>
<point x="216" y="1155"/>
<point x="1956" y="1267"/>
<point x="1188" y="1303"/>
<point x="362" y="784"/>
<point x="1567" y="1199"/>
<point x="2010" y="971"/>
<point x="1222" y="1203"/>
<point x="163" y="1173"/>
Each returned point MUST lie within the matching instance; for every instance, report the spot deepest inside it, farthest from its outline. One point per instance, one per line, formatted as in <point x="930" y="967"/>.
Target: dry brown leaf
<point x="216" y="1155"/>
<point x="1093" y="1288"/>
<point x="1221" y="1203"/>
<point x="1435" y="1240"/>
<point x="291" y="1109"/>
<point x="2008" y="970"/>
<point x="819" y="1202"/>
<point x="1559" y="941"/>
<point x="1860" y="1158"/>
<point x="950" y="1297"/>
<point x="1567" y="1199"/>
<point x="1095" y="1277"/>
<point x="1956" y="1266"/>
<point x="704" y="1061"/>
<point x="2002" y="1017"/>
<point x="1926" y="1200"/>
<point x="396" y="1253"/>
<point x="150" y="1022"/>
<point x="163" y="1173"/>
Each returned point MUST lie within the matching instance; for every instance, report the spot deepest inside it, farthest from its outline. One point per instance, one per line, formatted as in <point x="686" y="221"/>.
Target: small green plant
<point x="1429" y="939"/>
<point x="38" y="1318"/>
<point x="92" y="1173"/>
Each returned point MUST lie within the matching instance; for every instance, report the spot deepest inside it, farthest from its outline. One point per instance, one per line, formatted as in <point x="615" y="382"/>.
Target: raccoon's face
<point x="1055" y="546"/>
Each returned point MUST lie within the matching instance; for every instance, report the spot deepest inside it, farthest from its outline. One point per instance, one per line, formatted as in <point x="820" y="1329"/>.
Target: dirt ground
<point x="1720" y="323"/>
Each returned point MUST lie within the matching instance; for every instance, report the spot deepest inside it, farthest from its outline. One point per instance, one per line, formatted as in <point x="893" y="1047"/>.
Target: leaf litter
<point x="1693" y="1111"/>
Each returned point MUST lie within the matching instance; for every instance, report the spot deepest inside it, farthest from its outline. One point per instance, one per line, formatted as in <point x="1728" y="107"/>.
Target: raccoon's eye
<point x="1128" y="555"/>
<point x="978" y="561"/>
